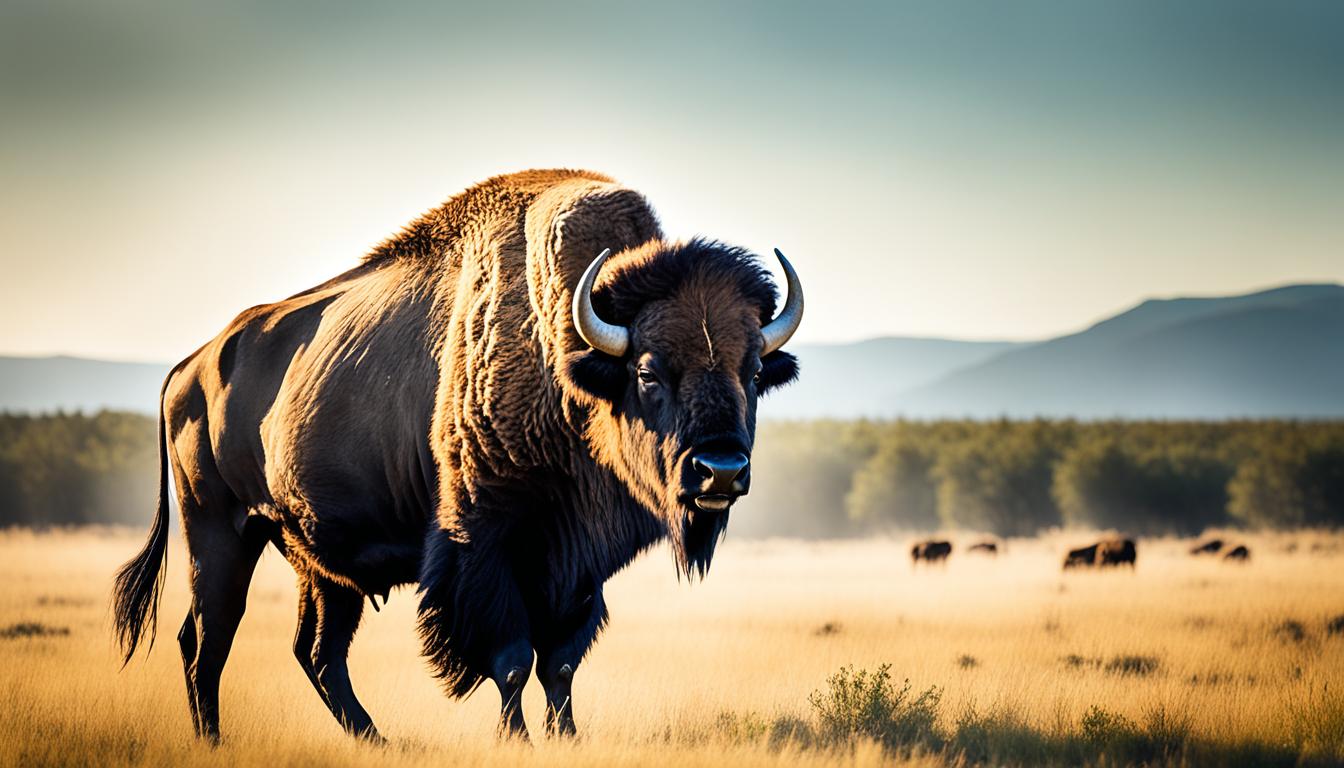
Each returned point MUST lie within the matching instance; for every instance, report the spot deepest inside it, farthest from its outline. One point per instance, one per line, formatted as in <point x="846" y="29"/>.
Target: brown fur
<point x="432" y="415"/>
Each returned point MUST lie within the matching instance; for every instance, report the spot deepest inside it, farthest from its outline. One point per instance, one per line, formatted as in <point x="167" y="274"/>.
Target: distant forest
<point x="821" y="479"/>
<point x="1016" y="478"/>
<point x="72" y="469"/>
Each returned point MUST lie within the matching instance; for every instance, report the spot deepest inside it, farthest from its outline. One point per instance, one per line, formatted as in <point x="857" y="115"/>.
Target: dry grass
<point x="1185" y="660"/>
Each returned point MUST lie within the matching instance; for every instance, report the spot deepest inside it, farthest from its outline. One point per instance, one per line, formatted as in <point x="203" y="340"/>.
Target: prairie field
<point x="1008" y="661"/>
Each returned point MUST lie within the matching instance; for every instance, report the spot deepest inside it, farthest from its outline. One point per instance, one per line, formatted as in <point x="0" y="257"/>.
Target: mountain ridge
<point x="1109" y="369"/>
<point x="1277" y="352"/>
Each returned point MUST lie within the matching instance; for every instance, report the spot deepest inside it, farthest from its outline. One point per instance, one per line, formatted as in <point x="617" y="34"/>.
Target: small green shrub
<point x="1101" y="728"/>
<point x="1160" y="739"/>
<point x="863" y="704"/>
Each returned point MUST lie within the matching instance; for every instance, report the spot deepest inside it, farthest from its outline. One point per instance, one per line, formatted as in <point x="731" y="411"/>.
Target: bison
<point x="1115" y="552"/>
<point x="1239" y="553"/>
<point x="1083" y="557"/>
<point x="931" y="551"/>
<point x="984" y="548"/>
<point x="1103" y="554"/>
<point x="504" y="404"/>
<point x="1210" y="547"/>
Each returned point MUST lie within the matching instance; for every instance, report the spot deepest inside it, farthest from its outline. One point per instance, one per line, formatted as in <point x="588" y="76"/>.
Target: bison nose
<point x="727" y="474"/>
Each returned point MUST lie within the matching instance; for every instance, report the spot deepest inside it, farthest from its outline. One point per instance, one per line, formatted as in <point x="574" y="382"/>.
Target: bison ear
<point x="777" y="369"/>
<point x="597" y="374"/>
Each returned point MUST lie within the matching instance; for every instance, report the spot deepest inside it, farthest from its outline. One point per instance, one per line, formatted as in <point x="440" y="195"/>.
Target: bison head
<point x="682" y="344"/>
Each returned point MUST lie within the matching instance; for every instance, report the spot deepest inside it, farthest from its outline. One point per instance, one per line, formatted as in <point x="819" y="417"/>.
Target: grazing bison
<point x="479" y="407"/>
<point x="1238" y="553"/>
<point x="1084" y="557"/>
<point x="984" y="547"/>
<point x="1114" y="552"/>
<point x="1103" y="554"/>
<point x="1210" y="547"/>
<point x="931" y="551"/>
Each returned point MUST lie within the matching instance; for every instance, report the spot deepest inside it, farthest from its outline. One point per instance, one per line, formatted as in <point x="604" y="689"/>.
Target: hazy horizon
<point x="815" y="342"/>
<point x="940" y="170"/>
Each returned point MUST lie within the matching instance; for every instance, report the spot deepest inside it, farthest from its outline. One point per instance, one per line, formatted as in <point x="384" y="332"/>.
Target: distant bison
<point x="1083" y="557"/>
<point x="1103" y="554"/>
<point x="1116" y="552"/>
<point x="984" y="547"/>
<point x="931" y="551"/>
<point x="1239" y="553"/>
<point x="1210" y="547"/>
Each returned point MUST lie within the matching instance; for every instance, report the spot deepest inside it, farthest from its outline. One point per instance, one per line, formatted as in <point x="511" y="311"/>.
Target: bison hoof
<point x="515" y="677"/>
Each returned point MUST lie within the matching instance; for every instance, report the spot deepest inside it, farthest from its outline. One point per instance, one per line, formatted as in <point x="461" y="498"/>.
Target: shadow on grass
<point x="858" y="706"/>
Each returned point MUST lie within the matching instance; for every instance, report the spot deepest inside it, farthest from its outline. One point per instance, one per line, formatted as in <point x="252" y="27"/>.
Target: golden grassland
<point x="1226" y="663"/>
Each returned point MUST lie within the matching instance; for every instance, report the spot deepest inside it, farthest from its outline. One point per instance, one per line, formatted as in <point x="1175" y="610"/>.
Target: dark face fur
<point x="679" y="419"/>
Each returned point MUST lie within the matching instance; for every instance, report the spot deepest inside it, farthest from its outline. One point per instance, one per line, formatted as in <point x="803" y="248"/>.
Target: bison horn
<point x="781" y="328"/>
<point x="614" y="340"/>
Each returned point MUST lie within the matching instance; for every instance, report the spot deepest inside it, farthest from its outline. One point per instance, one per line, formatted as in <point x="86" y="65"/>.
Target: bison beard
<point x="482" y="407"/>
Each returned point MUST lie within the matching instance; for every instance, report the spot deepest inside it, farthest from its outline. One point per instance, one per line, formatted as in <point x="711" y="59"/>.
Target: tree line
<point x="819" y="479"/>
<point x="73" y="469"/>
<point x="1017" y="478"/>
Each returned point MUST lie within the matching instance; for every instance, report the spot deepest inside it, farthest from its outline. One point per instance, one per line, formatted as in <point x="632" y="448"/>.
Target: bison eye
<point x="647" y="377"/>
<point x="756" y="378"/>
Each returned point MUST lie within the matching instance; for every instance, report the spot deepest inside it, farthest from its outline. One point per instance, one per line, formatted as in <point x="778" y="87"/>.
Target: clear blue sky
<point x="981" y="170"/>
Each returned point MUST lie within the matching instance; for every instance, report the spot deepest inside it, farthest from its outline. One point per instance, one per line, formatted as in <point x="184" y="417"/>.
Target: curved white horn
<point x="611" y="339"/>
<point x="781" y="328"/>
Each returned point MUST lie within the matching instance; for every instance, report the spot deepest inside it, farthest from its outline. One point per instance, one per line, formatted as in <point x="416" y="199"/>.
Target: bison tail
<point x="135" y="598"/>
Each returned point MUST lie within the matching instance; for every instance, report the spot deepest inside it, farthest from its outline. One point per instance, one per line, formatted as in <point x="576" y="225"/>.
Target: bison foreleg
<point x="490" y="618"/>
<point x="474" y="622"/>
<point x="510" y="669"/>
<point x="560" y="701"/>
<point x="557" y="663"/>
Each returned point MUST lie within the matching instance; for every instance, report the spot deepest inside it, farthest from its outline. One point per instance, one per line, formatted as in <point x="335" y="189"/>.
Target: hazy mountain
<point x="41" y="384"/>
<point x="1273" y="353"/>
<point x="867" y="378"/>
<point x="839" y="381"/>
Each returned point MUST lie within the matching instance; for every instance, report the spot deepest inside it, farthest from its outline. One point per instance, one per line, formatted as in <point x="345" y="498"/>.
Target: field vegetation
<point x="790" y="653"/>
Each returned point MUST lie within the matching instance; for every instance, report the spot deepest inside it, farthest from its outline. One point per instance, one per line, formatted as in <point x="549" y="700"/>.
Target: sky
<point x="969" y="170"/>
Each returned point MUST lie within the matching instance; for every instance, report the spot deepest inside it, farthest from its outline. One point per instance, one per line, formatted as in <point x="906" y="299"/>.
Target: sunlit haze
<point x="1006" y="171"/>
